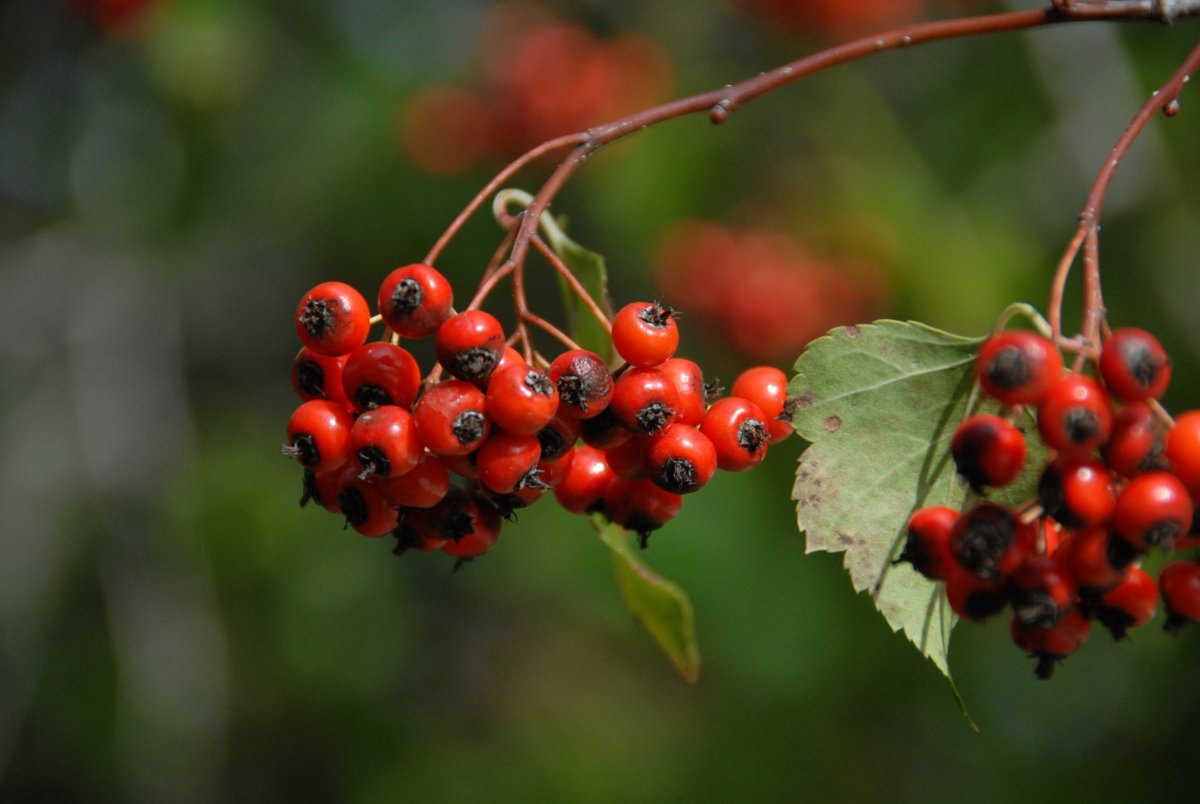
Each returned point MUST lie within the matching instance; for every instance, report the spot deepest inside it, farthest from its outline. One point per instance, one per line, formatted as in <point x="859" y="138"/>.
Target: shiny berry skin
<point x="1077" y="492"/>
<point x="384" y="442"/>
<point x="641" y="506"/>
<point x="333" y="319"/>
<point x="680" y="459"/>
<point x="1135" y="444"/>
<point x="990" y="541"/>
<point x="1153" y="510"/>
<point x="1133" y="365"/>
<point x="414" y="300"/>
<point x="738" y="431"/>
<point x="521" y="399"/>
<point x="451" y="418"/>
<point x="380" y="373"/>
<point x="366" y="508"/>
<point x="469" y="345"/>
<point x="688" y="379"/>
<point x="1183" y="449"/>
<point x="1041" y="591"/>
<point x="1131" y="604"/>
<point x="644" y="333"/>
<point x="927" y="541"/>
<point x="558" y="437"/>
<point x="1179" y="583"/>
<point x="644" y="401"/>
<point x="423" y="486"/>
<point x="1075" y="415"/>
<point x="1017" y="367"/>
<point x="584" y="383"/>
<point x="1051" y="645"/>
<point x="508" y="461"/>
<point x="988" y="451"/>
<point x="582" y="488"/>
<point x="766" y="386"/>
<point x="462" y="465"/>
<point x="318" y="435"/>
<point x="318" y="376"/>
<point x="1098" y="560"/>
<point x="974" y="598"/>
<point x="510" y="357"/>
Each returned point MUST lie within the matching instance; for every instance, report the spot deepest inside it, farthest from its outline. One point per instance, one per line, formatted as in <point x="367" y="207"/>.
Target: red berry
<point x="603" y="431"/>
<point x="366" y="508"/>
<point x="974" y="598"/>
<point x="688" y="380"/>
<point x="644" y="334"/>
<point x="1077" y="492"/>
<point x="450" y="519"/>
<point x="1179" y="582"/>
<point x="318" y="435"/>
<point x="380" y="373"/>
<point x="469" y="345"/>
<point x="1130" y="604"/>
<point x="384" y="442"/>
<point x="738" y="431"/>
<point x="333" y="319"/>
<point x="1041" y="590"/>
<point x="680" y="459"/>
<point x="1051" y="645"/>
<point x="627" y="459"/>
<point x="990" y="541"/>
<point x="484" y="531"/>
<point x="1134" y="365"/>
<point x="1017" y="367"/>
<point x="927" y="542"/>
<point x="587" y="479"/>
<point x="323" y="487"/>
<point x="1135" y="444"/>
<point x="451" y="418"/>
<point x="644" y="401"/>
<point x="640" y="505"/>
<point x="1153" y="510"/>
<point x="521" y="399"/>
<point x="1098" y="560"/>
<point x="1075" y="415"/>
<point x="510" y="357"/>
<point x="584" y="383"/>
<point x="766" y="386"/>
<point x="558" y="437"/>
<point x="988" y="451"/>
<point x="508" y="461"/>
<point x="318" y="376"/>
<point x="415" y="300"/>
<point x="423" y="486"/>
<point x="1183" y="449"/>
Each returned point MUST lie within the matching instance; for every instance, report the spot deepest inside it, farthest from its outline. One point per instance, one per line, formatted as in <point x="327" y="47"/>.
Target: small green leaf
<point x="659" y="605"/>
<point x="590" y="270"/>
<point x="879" y="404"/>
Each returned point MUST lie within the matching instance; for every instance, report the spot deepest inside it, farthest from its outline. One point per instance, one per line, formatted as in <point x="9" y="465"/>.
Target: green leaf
<point x="879" y="404"/>
<point x="659" y="605"/>
<point x="589" y="268"/>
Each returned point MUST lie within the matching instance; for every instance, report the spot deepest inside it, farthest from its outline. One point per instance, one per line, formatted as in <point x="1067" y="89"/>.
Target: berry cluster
<point x="762" y="290"/>
<point x="1119" y="483"/>
<point x="379" y="444"/>
<point x="538" y="78"/>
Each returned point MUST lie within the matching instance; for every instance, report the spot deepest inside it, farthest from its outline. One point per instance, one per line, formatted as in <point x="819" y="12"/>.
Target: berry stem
<point x="567" y="274"/>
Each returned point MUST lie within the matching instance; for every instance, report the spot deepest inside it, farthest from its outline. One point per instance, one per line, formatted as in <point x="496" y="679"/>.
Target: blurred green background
<point x="174" y="628"/>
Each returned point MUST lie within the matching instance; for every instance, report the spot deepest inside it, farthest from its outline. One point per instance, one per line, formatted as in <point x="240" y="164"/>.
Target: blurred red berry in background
<point x="761" y="289"/>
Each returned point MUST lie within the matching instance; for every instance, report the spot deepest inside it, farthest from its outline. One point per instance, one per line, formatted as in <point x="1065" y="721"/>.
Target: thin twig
<point x="576" y="286"/>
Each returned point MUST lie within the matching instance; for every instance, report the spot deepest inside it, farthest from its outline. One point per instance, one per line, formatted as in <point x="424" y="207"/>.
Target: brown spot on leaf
<point x="853" y="332"/>
<point x="845" y="540"/>
<point x="805" y="400"/>
<point x="833" y="423"/>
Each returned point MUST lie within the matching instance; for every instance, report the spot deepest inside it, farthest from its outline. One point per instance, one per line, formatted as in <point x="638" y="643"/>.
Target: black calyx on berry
<point x="407" y="296"/>
<point x="468" y="426"/>
<point x="317" y="318"/>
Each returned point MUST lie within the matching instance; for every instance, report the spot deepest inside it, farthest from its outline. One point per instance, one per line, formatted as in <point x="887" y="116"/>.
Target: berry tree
<point x="1031" y="470"/>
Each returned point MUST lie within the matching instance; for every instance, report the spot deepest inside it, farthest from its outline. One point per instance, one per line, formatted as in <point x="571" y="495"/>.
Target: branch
<point x="1165" y="99"/>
